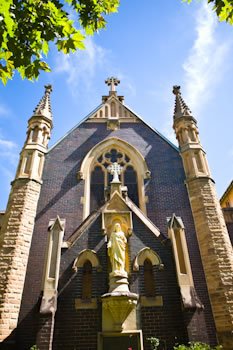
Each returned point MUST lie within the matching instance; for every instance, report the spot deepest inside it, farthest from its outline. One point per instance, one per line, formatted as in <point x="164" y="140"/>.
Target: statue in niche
<point x="116" y="250"/>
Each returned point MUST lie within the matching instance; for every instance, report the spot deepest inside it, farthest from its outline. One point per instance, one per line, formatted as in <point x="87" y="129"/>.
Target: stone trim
<point x="136" y="157"/>
<point x="52" y="266"/>
<point x="81" y="304"/>
<point x="176" y="233"/>
<point x="84" y="255"/>
<point x="151" y="301"/>
<point x="146" y="253"/>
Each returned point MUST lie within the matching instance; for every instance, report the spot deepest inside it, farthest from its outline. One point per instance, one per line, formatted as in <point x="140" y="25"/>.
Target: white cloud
<point x="80" y="66"/>
<point x="7" y="144"/>
<point x="205" y="64"/>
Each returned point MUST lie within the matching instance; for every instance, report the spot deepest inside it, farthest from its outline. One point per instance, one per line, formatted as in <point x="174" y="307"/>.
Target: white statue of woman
<point x="116" y="250"/>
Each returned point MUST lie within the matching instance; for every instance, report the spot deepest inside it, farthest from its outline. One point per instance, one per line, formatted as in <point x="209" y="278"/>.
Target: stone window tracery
<point x="101" y="178"/>
<point x="134" y="174"/>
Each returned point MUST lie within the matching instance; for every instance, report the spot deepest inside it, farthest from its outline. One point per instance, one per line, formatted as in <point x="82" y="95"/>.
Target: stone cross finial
<point x="112" y="82"/>
<point x="115" y="170"/>
<point x="48" y="88"/>
<point x="176" y="90"/>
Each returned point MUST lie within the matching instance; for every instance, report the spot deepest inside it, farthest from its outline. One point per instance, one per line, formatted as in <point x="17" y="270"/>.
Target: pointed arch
<point x="84" y="256"/>
<point x="146" y="254"/>
<point x="137" y="160"/>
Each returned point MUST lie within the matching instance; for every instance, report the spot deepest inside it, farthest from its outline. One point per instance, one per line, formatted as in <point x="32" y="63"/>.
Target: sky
<point x="150" y="46"/>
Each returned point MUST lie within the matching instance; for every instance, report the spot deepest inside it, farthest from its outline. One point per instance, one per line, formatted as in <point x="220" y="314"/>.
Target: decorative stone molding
<point x="56" y="233"/>
<point x="137" y="161"/>
<point x="117" y="212"/>
<point x="81" y="304"/>
<point x="147" y="253"/>
<point x="113" y="123"/>
<point x="84" y="255"/>
<point x="151" y="301"/>
<point x="118" y="308"/>
<point x="183" y="267"/>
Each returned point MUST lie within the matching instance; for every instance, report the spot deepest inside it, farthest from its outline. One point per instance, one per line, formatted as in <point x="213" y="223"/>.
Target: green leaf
<point x="28" y="27"/>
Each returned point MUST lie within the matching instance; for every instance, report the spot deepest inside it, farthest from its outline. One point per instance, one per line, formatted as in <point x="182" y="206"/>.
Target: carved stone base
<point x="119" y="311"/>
<point x="118" y="283"/>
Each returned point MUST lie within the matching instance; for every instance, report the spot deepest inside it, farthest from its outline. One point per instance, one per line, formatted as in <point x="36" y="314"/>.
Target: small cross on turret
<point x="112" y="82"/>
<point x="115" y="170"/>
<point x="48" y="88"/>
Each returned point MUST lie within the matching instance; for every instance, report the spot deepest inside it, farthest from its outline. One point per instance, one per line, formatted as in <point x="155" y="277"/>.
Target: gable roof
<point x="137" y="116"/>
<point x="95" y="214"/>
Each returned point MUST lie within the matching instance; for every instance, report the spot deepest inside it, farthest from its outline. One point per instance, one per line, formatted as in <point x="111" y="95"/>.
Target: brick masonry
<point x="61" y="195"/>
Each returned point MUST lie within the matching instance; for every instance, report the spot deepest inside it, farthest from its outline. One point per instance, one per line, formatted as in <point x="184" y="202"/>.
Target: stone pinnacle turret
<point x="181" y="109"/>
<point x="18" y="224"/>
<point x="213" y="238"/>
<point x="44" y="106"/>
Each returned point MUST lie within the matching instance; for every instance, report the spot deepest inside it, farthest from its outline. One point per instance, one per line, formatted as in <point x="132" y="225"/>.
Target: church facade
<point x="113" y="236"/>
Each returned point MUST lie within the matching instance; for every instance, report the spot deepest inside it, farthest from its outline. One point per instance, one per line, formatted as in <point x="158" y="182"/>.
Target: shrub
<point x="154" y="342"/>
<point x="196" y="346"/>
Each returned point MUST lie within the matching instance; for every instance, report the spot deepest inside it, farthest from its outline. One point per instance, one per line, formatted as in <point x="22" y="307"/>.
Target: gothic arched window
<point x="35" y="134"/>
<point x="87" y="281"/>
<point x="101" y="178"/>
<point x="130" y="180"/>
<point x="134" y="172"/>
<point x="97" y="188"/>
<point x="149" y="279"/>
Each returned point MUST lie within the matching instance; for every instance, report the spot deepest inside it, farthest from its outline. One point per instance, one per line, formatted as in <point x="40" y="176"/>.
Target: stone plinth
<point x="119" y="311"/>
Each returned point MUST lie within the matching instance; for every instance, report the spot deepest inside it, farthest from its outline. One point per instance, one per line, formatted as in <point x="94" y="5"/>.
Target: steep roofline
<point x="130" y="110"/>
<point x="96" y="213"/>
<point x="74" y="127"/>
<point x="229" y="188"/>
<point x="152" y="128"/>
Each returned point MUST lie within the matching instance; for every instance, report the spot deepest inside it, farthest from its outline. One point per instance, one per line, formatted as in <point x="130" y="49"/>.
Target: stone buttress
<point x="213" y="238"/>
<point x="18" y="225"/>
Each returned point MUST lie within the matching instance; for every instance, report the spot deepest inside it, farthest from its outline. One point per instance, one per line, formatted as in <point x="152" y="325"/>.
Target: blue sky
<point x="150" y="46"/>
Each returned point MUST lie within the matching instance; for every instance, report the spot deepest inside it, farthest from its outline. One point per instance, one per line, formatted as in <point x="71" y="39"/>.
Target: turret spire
<point x="44" y="106"/>
<point x="181" y="109"/>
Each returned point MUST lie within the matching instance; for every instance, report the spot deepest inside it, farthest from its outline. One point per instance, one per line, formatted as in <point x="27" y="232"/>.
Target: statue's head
<point x="117" y="227"/>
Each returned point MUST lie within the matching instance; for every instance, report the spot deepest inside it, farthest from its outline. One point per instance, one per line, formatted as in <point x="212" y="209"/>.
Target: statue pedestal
<point x="119" y="305"/>
<point x="118" y="283"/>
<point x="119" y="311"/>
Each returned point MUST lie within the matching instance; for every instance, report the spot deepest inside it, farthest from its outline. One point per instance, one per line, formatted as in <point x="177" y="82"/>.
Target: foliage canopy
<point x="223" y="9"/>
<point x="28" y="26"/>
